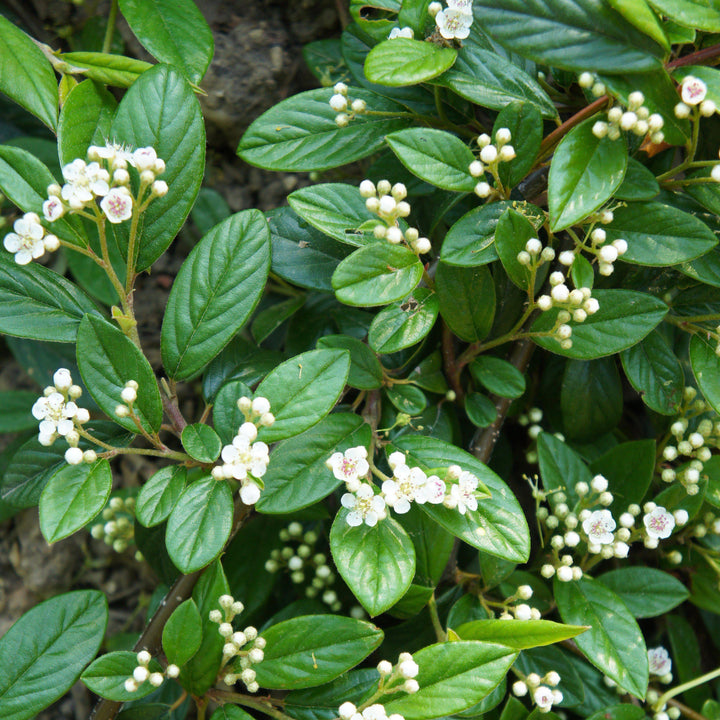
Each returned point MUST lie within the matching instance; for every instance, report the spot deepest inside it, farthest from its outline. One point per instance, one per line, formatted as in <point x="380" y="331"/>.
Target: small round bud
<point x="482" y="189"/>
<point x="489" y="154"/>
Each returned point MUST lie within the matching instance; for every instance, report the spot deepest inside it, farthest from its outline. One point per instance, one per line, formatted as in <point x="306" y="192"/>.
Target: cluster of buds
<point x="344" y="106"/>
<point x="128" y="395"/>
<point x="490" y="157"/>
<point x="531" y="420"/>
<point x="454" y="21"/>
<point x="520" y="611"/>
<point x="401" y="32"/>
<point x="636" y="119"/>
<point x="142" y="673"/>
<point x="245" y="645"/>
<point x="693" y="92"/>
<point x="118" y="528"/>
<point x="59" y="415"/>
<point x="606" y="253"/>
<point x="29" y="241"/>
<point x="106" y="178"/>
<point x="588" y="81"/>
<point x="388" y="203"/>
<point x="299" y="557"/>
<point x="543" y="690"/>
<point x="244" y="459"/>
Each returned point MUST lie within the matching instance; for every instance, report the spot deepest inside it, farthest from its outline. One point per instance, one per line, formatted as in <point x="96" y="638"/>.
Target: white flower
<point x="659" y="523"/>
<point x="55" y="415"/>
<point x="407" y="485"/>
<point x="464" y="6"/>
<point x="97" y="178"/>
<point x="350" y="466"/>
<point x="53" y="209"/>
<point x="462" y="495"/>
<point x="27" y="240"/>
<point x="453" y="23"/>
<point x="692" y="90"/>
<point x="405" y="32"/>
<point x="243" y="457"/>
<point x="660" y="663"/>
<point x="599" y="527"/>
<point x="117" y="205"/>
<point x="364" y="506"/>
<point x="144" y="158"/>
<point x="543" y="697"/>
<point x="249" y="493"/>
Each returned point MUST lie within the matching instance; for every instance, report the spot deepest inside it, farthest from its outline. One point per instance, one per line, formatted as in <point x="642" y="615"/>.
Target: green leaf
<point x="498" y="376"/>
<point x="524" y="121"/>
<point x="403" y="61"/>
<point x="182" y="633"/>
<point x="639" y="14"/>
<point x="201" y="442"/>
<point x="233" y="712"/>
<point x="43" y="653"/>
<point x="584" y="36"/>
<point x="614" y="643"/>
<point x="584" y="173"/>
<point x="466" y="299"/>
<point x="365" y="370"/>
<point x="435" y="156"/>
<point x="685" y="652"/>
<point x="107" y="360"/>
<point x="300" y="133"/>
<point x="377" y="274"/>
<point x="453" y="676"/>
<point x="655" y="372"/>
<point x="561" y="468"/>
<point x="199" y="524"/>
<point x="38" y="303"/>
<point x="227" y="416"/>
<point x="647" y="591"/>
<point x="511" y="235"/>
<point x="625" y="317"/>
<point x="407" y="398"/>
<point x="172" y="31"/>
<point x="26" y="75"/>
<point x="298" y="476"/>
<point x="404" y="324"/>
<point x="498" y="525"/>
<point x="16" y="413"/>
<point x="159" y="495"/>
<point x="267" y="321"/>
<point x="480" y="409"/>
<point x="216" y="290"/>
<point x="639" y="183"/>
<point x="432" y="543"/>
<point x="520" y="634"/>
<point x="73" y="497"/>
<point x="106" y="676"/>
<point x="302" y="391"/>
<point x="701" y="14"/>
<point x="377" y="563"/>
<point x="161" y="110"/>
<point x="706" y="369"/>
<point x="314" y="649"/>
<point x="659" y="234"/>
<point x="105" y="68"/>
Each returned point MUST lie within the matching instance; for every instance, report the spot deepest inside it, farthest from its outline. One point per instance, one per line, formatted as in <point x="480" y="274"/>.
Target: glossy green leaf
<point x="106" y="676"/>
<point x="298" y="476"/>
<point x="614" y="643"/>
<point x="497" y="526"/>
<point x="584" y="173"/>
<point x="365" y="370"/>
<point x="106" y="68"/>
<point x="199" y="525"/>
<point x="300" y="133"/>
<point x="161" y="110"/>
<point x="201" y="442"/>
<point x="578" y="35"/>
<point x="302" y="391"/>
<point x="404" y="324"/>
<point x="712" y="470"/>
<point x="511" y="235"/>
<point x="217" y="288"/>
<point x="73" y="497"/>
<point x="433" y="545"/>
<point x="107" y="360"/>
<point x="377" y="563"/>
<point x="639" y="14"/>
<point x="655" y="372"/>
<point x="706" y="368"/>
<point x="639" y="183"/>
<point x="701" y="14"/>
<point x="525" y="123"/>
<point x="173" y="31"/>
<point x="267" y="321"/>
<point x="686" y="654"/>
<point x="520" y="634"/>
<point x="407" y="398"/>
<point x="625" y="317"/>
<point x="466" y="297"/>
<point x="43" y="653"/>
<point x="16" y="413"/>
<point x="26" y="75"/>
<point x="498" y="376"/>
<point x="231" y="712"/>
<point x="404" y="61"/>
<point x="314" y="649"/>
<point x="453" y="676"/>
<point x="480" y="409"/>
<point x="377" y="274"/>
<point x="227" y="416"/>
<point x="436" y="156"/>
<point x="182" y="633"/>
<point x="159" y="495"/>
<point x="561" y="468"/>
<point x="647" y="591"/>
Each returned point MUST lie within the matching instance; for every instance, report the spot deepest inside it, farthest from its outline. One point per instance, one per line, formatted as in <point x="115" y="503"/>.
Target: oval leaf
<point x="159" y="494"/>
<point x="201" y="442"/>
<point x="403" y="61"/>
<point x="519" y="635"/>
<point x="404" y="324"/>
<point x="646" y="591"/>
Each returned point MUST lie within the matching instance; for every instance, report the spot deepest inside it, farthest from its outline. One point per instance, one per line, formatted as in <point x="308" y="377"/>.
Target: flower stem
<point x="672" y="692"/>
<point x="437" y="625"/>
<point x="110" y="29"/>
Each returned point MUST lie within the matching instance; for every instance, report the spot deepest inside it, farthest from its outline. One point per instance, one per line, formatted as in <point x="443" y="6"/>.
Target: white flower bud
<point x="489" y="154"/>
<point x="73" y="456"/>
<point x="128" y="395"/>
<point x="533" y="246"/>
<point x="682" y="111"/>
<point x="131" y="685"/>
<point x="586" y="80"/>
<point x="544" y="302"/>
<point x="482" y="189"/>
<point x="141" y="674"/>
<point x="560" y="293"/>
<point x="507" y="153"/>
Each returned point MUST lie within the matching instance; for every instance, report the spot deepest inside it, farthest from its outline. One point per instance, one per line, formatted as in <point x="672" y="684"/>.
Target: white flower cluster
<point x="406" y="486"/>
<point x="345" y="107"/>
<point x="142" y="673"/>
<point x="453" y="22"/>
<point x="693" y="92"/>
<point x="490" y="157"/>
<point x="244" y="459"/>
<point x="348" y="711"/>
<point x="401" y="32"/>
<point x="606" y="253"/>
<point x="246" y="645"/>
<point x="128" y="395"/>
<point x="299" y="557"/>
<point x="118" y="529"/>
<point x="636" y="119"/>
<point x="59" y="415"/>
<point x="543" y="690"/>
<point x="29" y="241"/>
<point x="105" y="176"/>
<point x="388" y="203"/>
